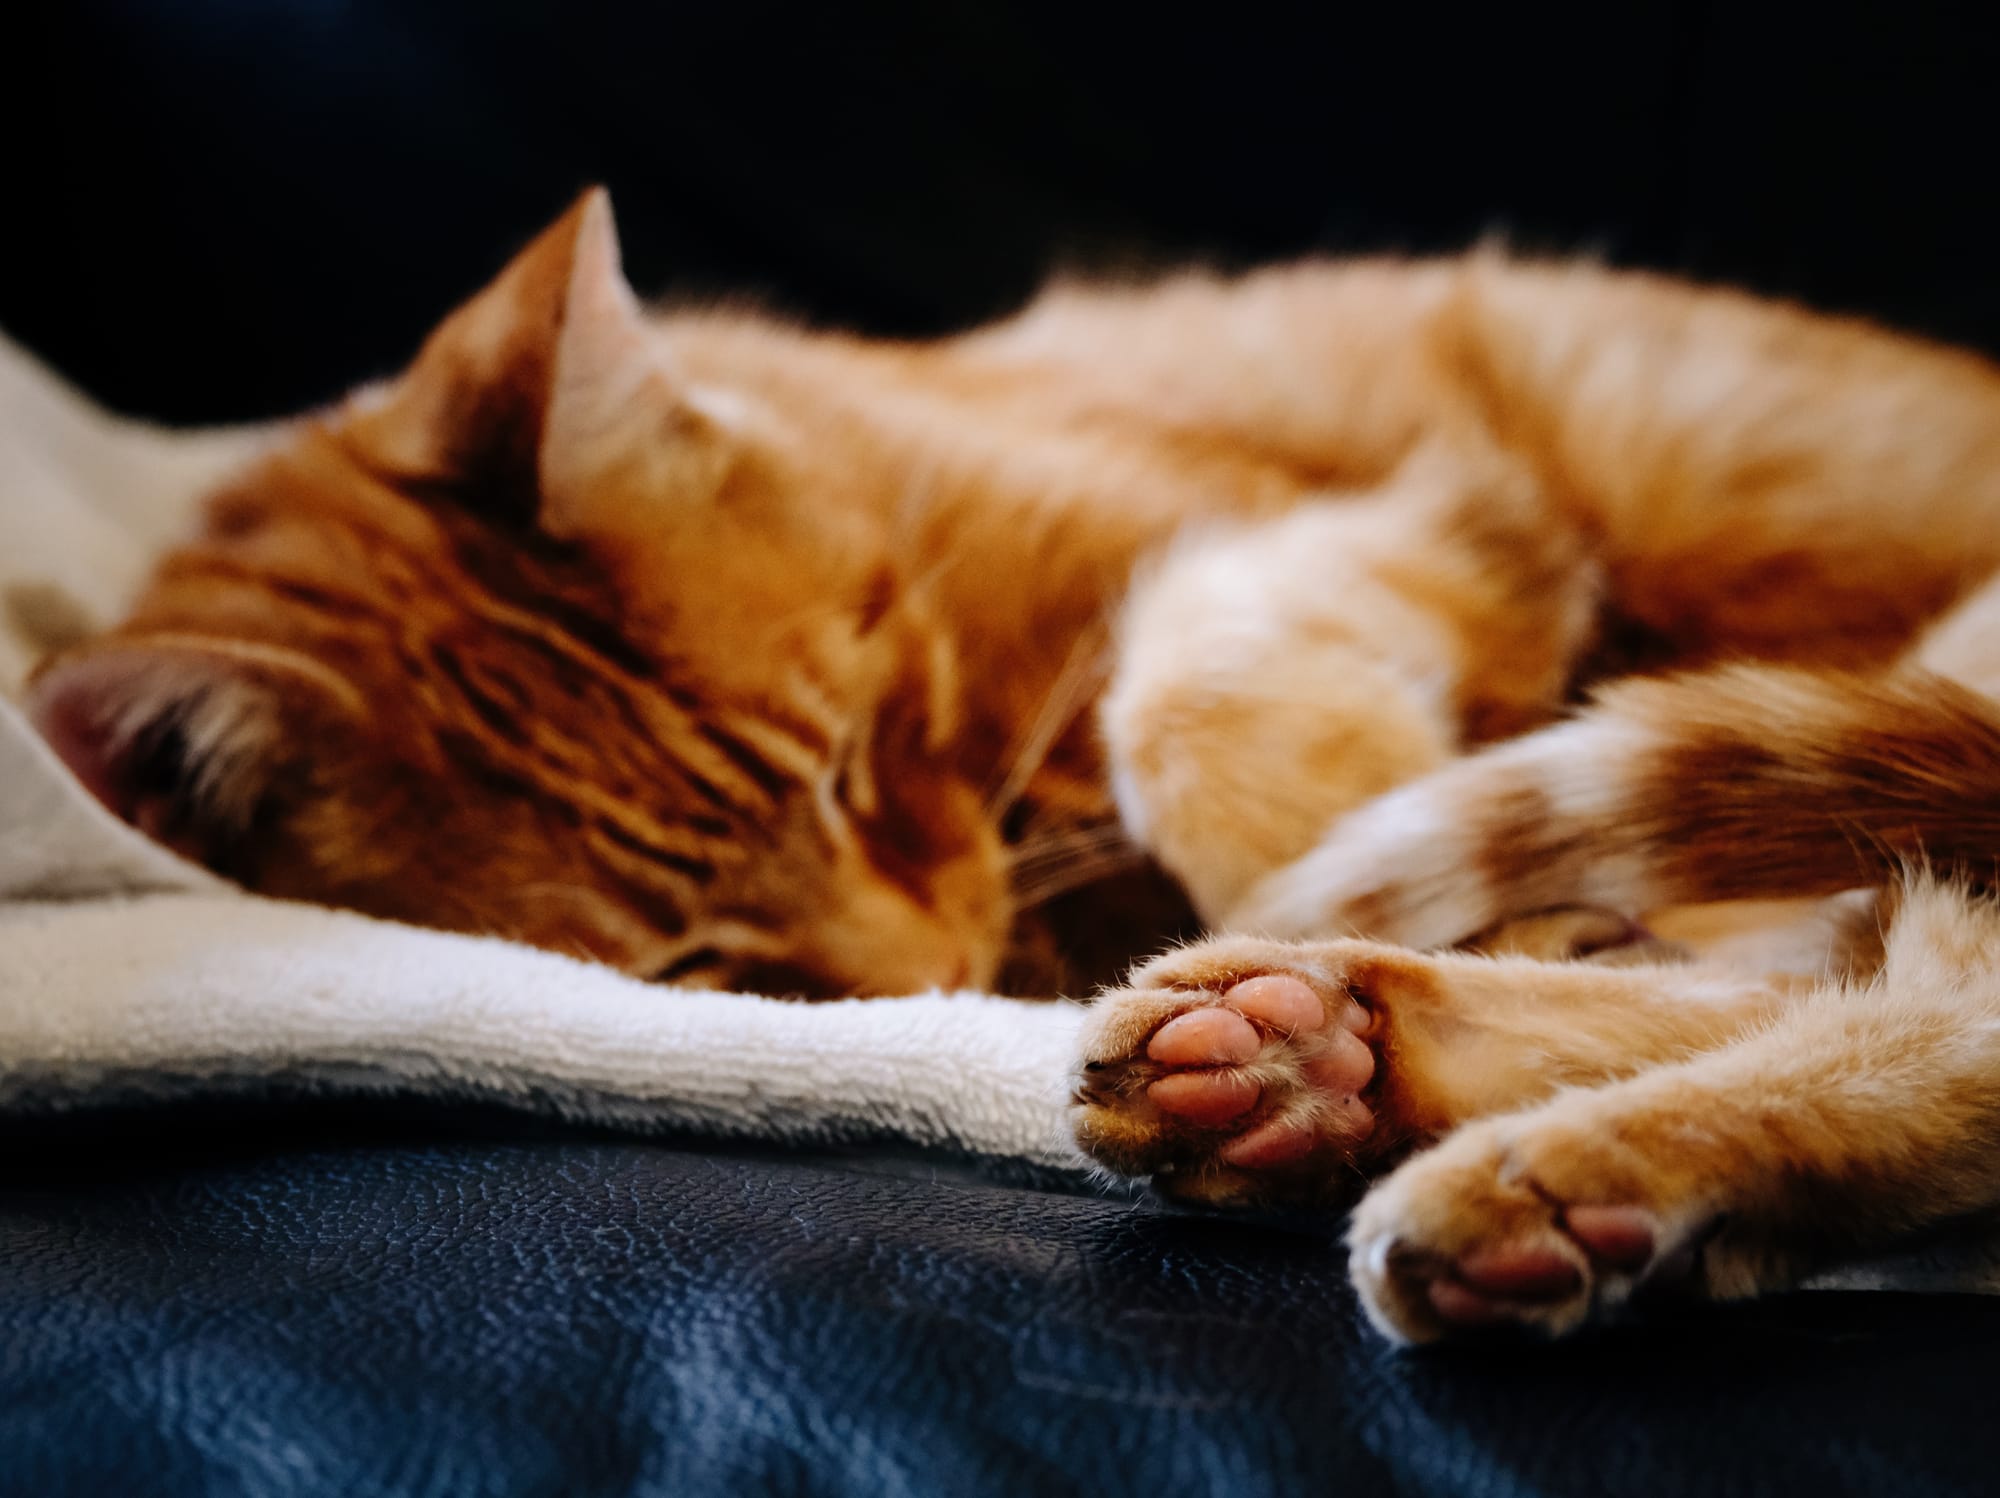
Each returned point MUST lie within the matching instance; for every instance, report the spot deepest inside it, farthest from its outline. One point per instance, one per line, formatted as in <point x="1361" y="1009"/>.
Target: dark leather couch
<point x="240" y="208"/>
<point x="344" y="1305"/>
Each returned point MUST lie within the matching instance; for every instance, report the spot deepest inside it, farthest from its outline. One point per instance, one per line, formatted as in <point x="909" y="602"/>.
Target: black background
<point x="231" y="207"/>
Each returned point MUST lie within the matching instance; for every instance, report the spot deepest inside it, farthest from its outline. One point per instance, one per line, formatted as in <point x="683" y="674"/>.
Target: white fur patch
<point x="1405" y="846"/>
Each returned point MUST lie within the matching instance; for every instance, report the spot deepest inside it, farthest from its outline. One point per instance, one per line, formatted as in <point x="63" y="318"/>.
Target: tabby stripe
<point x="648" y="731"/>
<point x="502" y="718"/>
<point x="700" y="870"/>
<point x="209" y="568"/>
<point x="773" y="781"/>
<point x="811" y="740"/>
<point x="568" y="666"/>
<point x="710" y="792"/>
<point x="594" y="805"/>
<point x="476" y="762"/>
<point x="318" y="599"/>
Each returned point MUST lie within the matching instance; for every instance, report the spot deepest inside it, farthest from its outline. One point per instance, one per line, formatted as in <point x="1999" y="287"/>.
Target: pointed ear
<point x="182" y="735"/>
<point x="620" y="423"/>
<point x="545" y="384"/>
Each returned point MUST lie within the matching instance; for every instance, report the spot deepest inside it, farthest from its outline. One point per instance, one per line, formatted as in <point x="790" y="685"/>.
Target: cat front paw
<point x="1510" y="1224"/>
<point x="1241" y="1072"/>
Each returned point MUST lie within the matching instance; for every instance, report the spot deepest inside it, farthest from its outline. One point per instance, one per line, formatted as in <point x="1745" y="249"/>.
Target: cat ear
<point x="545" y="389"/>
<point x="620" y="424"/>
<point x="182" y="735"/>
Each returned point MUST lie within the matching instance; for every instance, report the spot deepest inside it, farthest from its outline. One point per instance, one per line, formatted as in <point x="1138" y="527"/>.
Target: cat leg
<point x="1241" y="1071"/>
<point x="1860" y="1114"/>
<point x="1737" y="783"/>
<point x="1271" y="677"/>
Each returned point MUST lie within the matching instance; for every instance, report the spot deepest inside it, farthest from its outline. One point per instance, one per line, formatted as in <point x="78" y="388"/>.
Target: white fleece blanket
<point x="129" y="975"/>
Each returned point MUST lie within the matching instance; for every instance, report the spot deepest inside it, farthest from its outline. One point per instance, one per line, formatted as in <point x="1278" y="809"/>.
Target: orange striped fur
<point x="734" y="653"/>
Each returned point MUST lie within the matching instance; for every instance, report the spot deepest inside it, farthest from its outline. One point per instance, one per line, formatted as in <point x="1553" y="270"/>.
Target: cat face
<point x="547" y="640"/>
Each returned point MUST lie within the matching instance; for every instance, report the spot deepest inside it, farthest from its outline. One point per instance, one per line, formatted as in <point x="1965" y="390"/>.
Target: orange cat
<point x="738" y="655"/>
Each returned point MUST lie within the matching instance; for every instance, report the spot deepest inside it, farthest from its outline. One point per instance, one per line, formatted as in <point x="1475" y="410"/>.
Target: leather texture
<point x="427" y="1313"/>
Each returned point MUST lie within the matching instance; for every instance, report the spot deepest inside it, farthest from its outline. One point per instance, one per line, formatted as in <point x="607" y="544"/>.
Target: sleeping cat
<point x="737" y="655"/>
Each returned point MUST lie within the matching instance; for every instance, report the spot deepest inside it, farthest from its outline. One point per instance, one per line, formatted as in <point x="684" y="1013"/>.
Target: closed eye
<point x="687" y="965"/>
<point x="787" y="980"/>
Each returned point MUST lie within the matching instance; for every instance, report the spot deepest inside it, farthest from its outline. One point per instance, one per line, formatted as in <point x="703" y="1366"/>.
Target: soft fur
<point x="732" y="653"/>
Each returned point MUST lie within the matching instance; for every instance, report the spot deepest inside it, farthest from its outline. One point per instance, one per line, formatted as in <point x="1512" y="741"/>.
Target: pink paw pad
<point x="1275" y="1142"/>
<point x="1485" y="1286"/>
<point x="1207" y="1046"/>
<point x="1282" y="1004"/>
<point x="1206" y="1037"/>
<point x="1520" y="1272"/>
<point x="1206" y="1098"/>
<point x="1619" y="1237"/>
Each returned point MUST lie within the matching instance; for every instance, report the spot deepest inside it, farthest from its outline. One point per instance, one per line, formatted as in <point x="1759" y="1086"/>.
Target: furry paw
<point x="1513" y="1225"/>
<point x="1238" y="1072"/>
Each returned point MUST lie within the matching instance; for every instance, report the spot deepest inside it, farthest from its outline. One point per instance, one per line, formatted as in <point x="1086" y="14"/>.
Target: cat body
<point x="739" y="655"/>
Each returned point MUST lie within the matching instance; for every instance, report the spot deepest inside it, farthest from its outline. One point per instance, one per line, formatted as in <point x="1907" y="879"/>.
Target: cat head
<point x="556" y="638"/>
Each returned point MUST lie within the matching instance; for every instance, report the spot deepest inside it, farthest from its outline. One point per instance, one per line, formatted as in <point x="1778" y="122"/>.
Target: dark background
<point x="231" y="207"/>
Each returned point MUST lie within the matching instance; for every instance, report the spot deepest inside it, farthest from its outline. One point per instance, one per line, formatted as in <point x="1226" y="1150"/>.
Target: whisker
<point x="1081" y="669"/>
<point x="1073" y="871"/>
<point x="1042" y="847"/>
<point x="1034" y="899"/>
<point x="1075" y="874"/>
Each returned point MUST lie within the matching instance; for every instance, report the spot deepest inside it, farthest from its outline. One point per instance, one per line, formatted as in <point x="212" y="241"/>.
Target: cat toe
<point x="1486" y="1232"/>
<point x="1230" y="1085"/>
